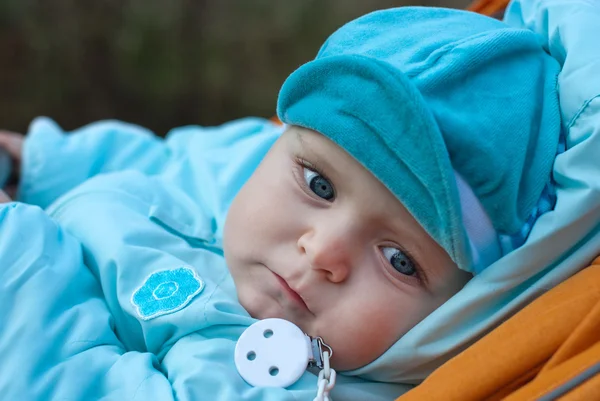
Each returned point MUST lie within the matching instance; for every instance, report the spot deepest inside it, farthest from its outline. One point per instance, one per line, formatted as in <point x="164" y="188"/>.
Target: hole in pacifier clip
<point x="251" y="355"/>
<point x="268" y="333"/>
<point x="274" y="371"/>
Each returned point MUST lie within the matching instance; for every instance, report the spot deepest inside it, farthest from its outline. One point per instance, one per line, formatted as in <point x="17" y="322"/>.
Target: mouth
<point x="293" y="295"/>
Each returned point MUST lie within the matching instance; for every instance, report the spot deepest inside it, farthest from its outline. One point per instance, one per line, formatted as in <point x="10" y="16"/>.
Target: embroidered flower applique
<point x="166" y="291"/>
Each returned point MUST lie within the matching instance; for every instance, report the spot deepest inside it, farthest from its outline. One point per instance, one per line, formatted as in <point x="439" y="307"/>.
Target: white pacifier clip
<point x="275" y="353"/>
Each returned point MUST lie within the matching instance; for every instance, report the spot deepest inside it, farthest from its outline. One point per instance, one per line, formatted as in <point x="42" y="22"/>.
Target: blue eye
<point x="400" y="261"/>
<point x="318" y="184"/>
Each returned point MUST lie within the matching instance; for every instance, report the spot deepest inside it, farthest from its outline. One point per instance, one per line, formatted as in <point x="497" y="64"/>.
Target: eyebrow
<point x="320" y="163"/>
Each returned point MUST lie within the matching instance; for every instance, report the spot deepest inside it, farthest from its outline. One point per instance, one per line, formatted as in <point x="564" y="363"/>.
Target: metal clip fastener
<point x="318" y="345"/>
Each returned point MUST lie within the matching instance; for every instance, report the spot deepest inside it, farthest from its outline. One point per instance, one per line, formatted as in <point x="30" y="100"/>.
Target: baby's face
<point x="316" y="239"/>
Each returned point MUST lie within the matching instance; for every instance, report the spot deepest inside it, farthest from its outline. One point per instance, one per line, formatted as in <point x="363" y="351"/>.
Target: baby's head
<point x="314" y="220"/>
<point x="418" y="152"/>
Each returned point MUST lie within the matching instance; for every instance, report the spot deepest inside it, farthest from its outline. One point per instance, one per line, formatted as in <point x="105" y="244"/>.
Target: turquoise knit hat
<point x="456" y="113"/>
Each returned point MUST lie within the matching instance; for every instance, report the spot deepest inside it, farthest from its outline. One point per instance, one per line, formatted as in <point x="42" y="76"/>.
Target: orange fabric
<point x="546" y="344"/>
<point x="276" y="120"/>
<point x="488" y="7"/>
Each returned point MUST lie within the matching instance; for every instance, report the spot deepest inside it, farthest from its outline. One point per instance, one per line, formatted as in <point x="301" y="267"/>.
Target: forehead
<point x="312" y="141"/>
<point x="325" y="152"/>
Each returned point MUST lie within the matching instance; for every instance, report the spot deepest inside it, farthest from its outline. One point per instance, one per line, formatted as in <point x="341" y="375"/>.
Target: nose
<point x="329" y="251"/>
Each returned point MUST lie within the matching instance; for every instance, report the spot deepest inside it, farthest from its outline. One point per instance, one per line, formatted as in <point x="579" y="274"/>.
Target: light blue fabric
<point x="562" y="241"/>
<point x="65" y="293"/>
<point x="417" y="93"/>
<point x="121" y="292"/>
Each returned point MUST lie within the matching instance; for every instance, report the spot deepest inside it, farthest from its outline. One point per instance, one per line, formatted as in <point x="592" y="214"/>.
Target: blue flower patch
<point x="166" y="291"/>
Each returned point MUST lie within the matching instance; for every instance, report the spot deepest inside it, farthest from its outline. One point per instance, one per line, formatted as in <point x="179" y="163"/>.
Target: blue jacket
<point x="122" y="292"/>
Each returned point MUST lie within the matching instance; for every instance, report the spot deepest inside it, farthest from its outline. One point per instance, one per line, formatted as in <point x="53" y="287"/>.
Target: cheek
<point x="363" y="338"/>
<point x="241" y="226"/>
<point x="261" y="212"/>
<point x="367" y="326"/>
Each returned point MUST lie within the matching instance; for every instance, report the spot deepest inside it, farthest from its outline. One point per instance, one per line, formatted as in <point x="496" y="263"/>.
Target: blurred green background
<point x="160" y="63"/>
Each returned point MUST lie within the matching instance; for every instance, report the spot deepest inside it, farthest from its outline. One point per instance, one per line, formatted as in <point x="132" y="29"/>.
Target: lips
<point x="291" y="293"/>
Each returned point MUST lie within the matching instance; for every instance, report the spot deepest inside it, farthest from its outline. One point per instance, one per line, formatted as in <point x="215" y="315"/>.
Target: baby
<point x="416" y="152"/>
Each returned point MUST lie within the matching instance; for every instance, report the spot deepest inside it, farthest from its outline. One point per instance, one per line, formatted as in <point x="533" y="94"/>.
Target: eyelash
<point x="302" y="163"/>
<point x="419" y="276"/>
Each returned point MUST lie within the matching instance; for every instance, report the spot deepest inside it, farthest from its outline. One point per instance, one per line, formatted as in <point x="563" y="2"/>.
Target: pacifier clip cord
<point x="327" y="375"/>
